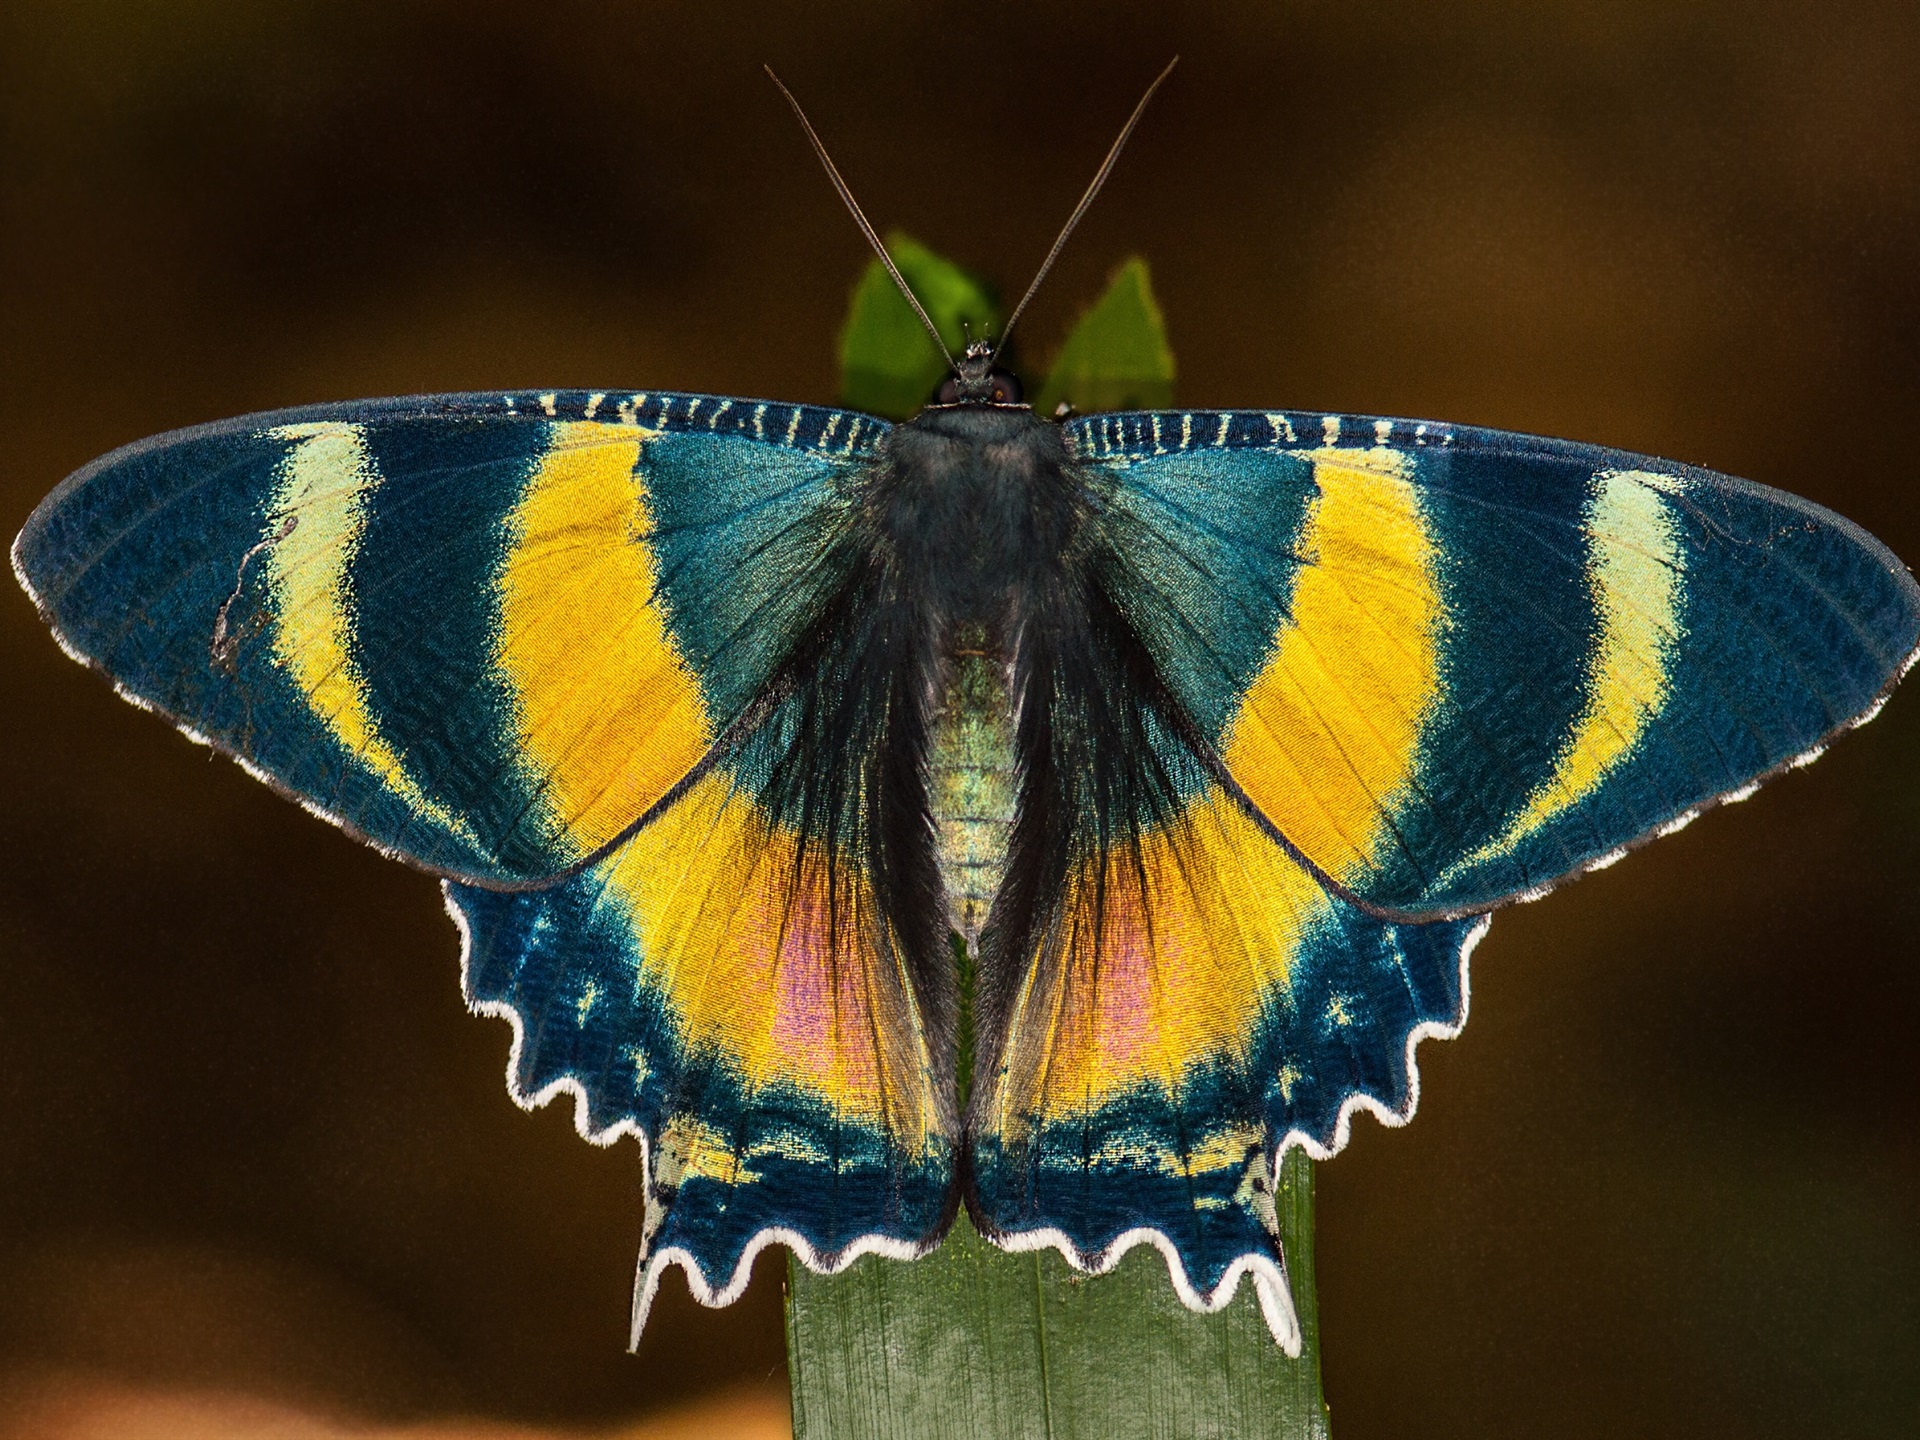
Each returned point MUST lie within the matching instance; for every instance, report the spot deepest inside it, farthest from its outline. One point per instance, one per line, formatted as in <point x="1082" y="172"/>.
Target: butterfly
<point x="1215" y="736"/>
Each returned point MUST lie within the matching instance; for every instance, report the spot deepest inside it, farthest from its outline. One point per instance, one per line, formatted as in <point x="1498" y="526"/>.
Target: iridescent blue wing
<point x="1453" y="666"/>
<point x="625" y="661"/>
<point x="486" y="633"/>
<point x="1342" y="684"/>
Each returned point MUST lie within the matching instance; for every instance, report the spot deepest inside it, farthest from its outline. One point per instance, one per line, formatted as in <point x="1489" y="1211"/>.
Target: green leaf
<point x="888" y="363"/>
<point x="1117" y="356"/>
<point x="972" y="1341"/>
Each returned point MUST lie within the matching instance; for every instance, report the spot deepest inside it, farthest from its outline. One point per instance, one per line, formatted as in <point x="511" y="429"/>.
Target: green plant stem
<point x="975" y="1342"/>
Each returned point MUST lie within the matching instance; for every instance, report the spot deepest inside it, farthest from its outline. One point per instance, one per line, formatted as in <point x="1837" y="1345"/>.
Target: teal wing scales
<point x="487" y="633"/>
<point x="1451" y="666"/>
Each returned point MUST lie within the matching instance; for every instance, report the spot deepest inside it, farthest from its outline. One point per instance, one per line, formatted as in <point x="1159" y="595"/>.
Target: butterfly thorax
<point x="980" y="504"/>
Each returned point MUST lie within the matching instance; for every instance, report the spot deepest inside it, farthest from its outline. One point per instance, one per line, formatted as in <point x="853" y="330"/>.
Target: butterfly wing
<point x="624" y="669"/>
<point x="1453" y="666"/>
<point x="756" y="983"/>
<point x="486" y="633"/>
<point x="1167" y="995"/>
<point x="1324" y="702"/>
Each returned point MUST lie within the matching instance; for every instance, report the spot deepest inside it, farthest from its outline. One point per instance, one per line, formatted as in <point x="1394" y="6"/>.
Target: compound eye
<point x="949" y="391"/>
<point x="1006" y="389"/>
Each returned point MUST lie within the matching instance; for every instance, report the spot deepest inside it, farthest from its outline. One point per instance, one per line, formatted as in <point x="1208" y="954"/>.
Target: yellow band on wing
<point x="1636" y="578"/>
<point x="1327" y="737"/>
<point x="317" y="518"/>
<point x="608" y="716"/>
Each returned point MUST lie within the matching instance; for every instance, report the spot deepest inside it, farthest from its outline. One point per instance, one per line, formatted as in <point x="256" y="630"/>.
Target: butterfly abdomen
<point x="972" y="780"/>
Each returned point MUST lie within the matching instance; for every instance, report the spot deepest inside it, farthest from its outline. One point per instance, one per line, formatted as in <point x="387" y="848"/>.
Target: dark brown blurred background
<point x="1667" y="1184"/>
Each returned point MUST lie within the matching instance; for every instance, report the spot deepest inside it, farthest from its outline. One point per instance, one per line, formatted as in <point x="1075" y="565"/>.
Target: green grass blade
<point x="888" y="365"/>
<point x="971" y="1341"/>
<point x="1117" y="357"/>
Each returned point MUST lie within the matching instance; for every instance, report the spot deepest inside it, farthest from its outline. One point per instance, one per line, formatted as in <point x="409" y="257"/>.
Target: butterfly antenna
<point x="1099" y="179"/>
<point x="860" y="219"/>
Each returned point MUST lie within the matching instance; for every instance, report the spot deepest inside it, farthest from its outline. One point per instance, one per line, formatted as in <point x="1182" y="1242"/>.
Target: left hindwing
<point x="756" y="983"/>
<point x="488" y="633"/>
<point x="1452" y="666"/>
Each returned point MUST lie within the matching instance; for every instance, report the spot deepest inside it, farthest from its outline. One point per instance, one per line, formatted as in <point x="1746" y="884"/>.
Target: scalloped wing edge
<point x="1271" y="1285"/>
<point x="1270" y="1279"/>
<point x="651" y="1269"/>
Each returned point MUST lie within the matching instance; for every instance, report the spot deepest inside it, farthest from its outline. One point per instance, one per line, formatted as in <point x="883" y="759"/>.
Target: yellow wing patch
<point x="608" y="716"/>
<point x="773" y="961"/>
<point x="317" y="517"/>
<point x="1328" y="735"/>
<point x="1163" y="961"/>
<point x="1231" y="1147"/>
<point x="1636" y="576"/>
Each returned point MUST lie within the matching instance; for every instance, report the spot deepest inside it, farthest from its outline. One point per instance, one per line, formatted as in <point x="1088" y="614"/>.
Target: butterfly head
<point x="976" y="380"/>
